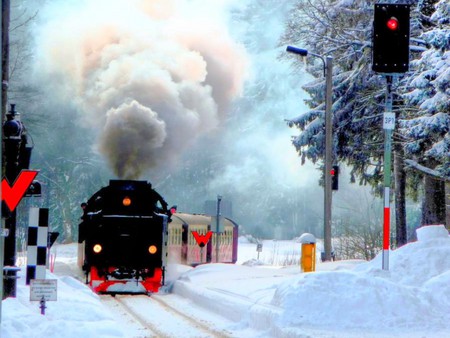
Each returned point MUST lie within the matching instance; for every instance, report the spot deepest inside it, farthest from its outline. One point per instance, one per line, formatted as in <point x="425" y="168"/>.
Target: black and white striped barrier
<point x="37" y="244"/>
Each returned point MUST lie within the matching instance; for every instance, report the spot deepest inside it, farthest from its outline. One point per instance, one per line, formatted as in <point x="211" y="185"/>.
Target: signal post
<point x="390" y="58"/>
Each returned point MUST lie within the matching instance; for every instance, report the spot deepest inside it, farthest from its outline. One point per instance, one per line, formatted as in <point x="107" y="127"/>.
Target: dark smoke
<point x="150" y="76"/>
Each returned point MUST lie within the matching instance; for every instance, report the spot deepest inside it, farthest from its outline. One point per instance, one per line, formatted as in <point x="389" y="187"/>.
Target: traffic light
<point x="12" y="139"/>
<point x="334" y="177"/>
<point x="390" y="49"/>
<point x="25" y="153"/>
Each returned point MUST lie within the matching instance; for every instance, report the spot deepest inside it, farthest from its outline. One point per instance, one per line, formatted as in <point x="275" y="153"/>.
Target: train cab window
<point x="228" y="238"/>
<point x="175" y="236"/>
<point x="159" y="207"/>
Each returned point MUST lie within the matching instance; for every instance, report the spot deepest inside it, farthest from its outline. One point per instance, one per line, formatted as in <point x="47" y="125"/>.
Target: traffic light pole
<point x="390" y="56"/>
<point x="388" y="126"/>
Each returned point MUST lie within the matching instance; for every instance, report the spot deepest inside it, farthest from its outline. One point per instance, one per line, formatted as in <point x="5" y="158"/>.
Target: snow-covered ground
<point x="263" y="299"/>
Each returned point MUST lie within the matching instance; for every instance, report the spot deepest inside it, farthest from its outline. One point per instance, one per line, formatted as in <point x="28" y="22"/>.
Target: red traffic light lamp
<point x="334" y="177"/>
<point x="390" y="43"/>
<point x="392" y="24"/>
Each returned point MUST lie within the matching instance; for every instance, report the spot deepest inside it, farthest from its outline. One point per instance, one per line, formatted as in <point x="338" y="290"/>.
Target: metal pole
<point x="328" y="73"/>
<point x="4" y="74"/>
<point x="328" y="157"/>
<point x="219" y="198"/>
<point x="5" y="56"/>
<point x="2" y="247"/>
<point x="11" y="150"/>
<point x="387" y="176"/>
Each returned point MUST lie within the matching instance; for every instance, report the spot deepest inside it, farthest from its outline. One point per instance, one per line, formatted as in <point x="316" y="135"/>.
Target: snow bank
<point x="429" y="232"/>
<point x="368" y="297"/>
<point x="76" y="313"/>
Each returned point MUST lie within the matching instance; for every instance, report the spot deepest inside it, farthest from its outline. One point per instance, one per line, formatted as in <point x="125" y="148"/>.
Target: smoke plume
<point x="150" y="76"/>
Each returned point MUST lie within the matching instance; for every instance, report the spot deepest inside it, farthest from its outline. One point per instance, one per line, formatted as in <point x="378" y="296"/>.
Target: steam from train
<point x="150" y="76"/>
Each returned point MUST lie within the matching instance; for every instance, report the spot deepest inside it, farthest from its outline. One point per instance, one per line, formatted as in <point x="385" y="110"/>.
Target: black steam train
<point x="127" y="236"/>
<point x="123" y="238"/>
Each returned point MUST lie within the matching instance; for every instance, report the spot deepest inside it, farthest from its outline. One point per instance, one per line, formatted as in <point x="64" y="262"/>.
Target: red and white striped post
<point x="388" y="126"/>
<point x="386" y="228"/>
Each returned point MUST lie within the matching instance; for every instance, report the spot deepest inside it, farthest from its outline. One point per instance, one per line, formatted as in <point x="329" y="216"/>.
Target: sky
<point x="261" y="297"/>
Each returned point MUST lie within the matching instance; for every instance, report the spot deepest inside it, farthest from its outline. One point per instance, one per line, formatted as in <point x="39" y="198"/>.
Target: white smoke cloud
<point x="151" y="76"/>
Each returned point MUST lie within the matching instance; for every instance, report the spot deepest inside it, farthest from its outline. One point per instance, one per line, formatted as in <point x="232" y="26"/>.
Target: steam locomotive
<point x="128" y="235"/>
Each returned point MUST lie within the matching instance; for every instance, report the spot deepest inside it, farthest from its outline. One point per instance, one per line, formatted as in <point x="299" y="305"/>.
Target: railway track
<point x="154" y="316"/>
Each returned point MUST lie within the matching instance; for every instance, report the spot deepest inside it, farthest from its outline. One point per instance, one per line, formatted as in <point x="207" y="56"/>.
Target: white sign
<point x="43" y="288"/>
<point x="388" y="121"/>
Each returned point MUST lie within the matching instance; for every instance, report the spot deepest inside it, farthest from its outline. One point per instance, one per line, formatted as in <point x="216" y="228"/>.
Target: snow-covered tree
<point x="343" y="29"/>
<point x="427" y="127"/>
<point x="340" y="29"/>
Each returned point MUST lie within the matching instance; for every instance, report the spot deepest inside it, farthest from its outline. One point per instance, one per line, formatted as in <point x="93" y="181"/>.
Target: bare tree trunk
<point x="433" y="205"/>
<point x="400" y="198"/>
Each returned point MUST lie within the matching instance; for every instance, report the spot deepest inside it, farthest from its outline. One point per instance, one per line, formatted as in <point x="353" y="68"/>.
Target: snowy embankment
<point x="409" y="300"/>
<point x="341" y="299"/>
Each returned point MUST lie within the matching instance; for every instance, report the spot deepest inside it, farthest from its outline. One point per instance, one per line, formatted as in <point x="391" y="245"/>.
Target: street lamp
<point x="327" y="73"/>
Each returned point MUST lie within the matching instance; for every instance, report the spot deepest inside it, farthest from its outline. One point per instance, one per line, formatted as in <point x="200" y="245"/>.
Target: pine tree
<point x="343" y="29"/>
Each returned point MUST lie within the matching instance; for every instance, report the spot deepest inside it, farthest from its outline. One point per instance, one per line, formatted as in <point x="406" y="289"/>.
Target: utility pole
<point x="5" y="56"/>
<point x="328" y="158"/>
<point x="4" y="97"/>
<point x="13" y="132"/>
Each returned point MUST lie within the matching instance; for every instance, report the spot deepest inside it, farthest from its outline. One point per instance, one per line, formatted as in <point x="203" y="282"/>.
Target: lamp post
<point x="328" y="74"/>
<point x="219" y="199"/>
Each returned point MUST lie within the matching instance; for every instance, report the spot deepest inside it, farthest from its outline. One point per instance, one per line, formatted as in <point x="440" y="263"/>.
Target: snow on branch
<point x="417" y="49"/>
<point x="426" y="171"/>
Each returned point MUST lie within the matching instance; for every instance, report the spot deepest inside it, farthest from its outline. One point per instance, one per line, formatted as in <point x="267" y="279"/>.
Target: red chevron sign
<point x="12" y="195"/>
<point x="202" y="240"/>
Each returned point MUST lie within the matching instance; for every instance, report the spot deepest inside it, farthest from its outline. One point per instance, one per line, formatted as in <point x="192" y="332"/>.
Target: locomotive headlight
<point x="126" y="201"/>
<point x="152" y="249"/>
<point x="97" y="248"/>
